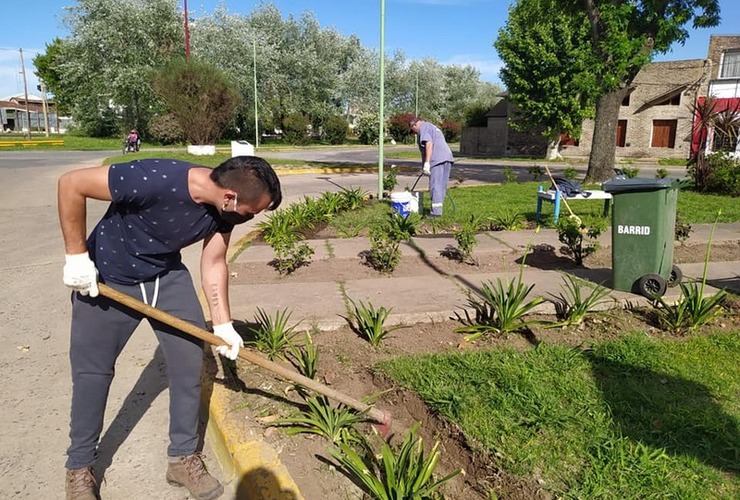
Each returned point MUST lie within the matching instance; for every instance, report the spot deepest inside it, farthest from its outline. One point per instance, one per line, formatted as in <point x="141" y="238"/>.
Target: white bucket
<point x="404" y="203"/>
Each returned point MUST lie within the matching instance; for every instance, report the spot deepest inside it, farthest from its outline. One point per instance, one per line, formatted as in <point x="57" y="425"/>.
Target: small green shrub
<point x="507" y="220"/>
<point x="336" y="129"/>
<point x="402" y="228"/>
<point x="295" y="129"/>
<point x="165" y="130"/>
<point x="465" y="238"/>
<point x="385" y="254"/>
<point x="390" y="180"/>
<point x="367" y="129"/>
<point x="571" y="233"/>
<point x="630" y="172"/>
<point x="509" y="175"/>
<point x="570" y="173"/>
<point x="661" y="173"/>
<point x="536" y="172"/>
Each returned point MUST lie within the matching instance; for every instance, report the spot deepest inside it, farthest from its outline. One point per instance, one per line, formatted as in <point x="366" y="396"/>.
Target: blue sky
<point x="450" y="31"/>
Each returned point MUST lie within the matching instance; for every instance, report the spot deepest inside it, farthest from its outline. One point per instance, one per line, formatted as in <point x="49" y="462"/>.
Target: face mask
<point x="235" y="217"/>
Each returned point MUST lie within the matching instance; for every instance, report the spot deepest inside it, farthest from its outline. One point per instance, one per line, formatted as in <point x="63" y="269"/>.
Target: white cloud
<point x="489" y="68"/>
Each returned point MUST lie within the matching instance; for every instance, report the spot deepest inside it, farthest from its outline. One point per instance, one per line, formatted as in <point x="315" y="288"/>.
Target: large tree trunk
<point x="604" y="144"/>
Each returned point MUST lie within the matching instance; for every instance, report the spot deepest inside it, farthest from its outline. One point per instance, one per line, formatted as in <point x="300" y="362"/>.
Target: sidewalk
<point x="429" y="296"/>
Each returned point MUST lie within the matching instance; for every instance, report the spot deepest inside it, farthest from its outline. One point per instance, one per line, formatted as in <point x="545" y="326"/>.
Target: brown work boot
<point x="191" y="473"/>
<point x="81" y="484"/>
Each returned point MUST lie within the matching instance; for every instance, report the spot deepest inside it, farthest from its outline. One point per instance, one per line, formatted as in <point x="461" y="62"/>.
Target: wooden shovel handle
<point x="374" y="413"/>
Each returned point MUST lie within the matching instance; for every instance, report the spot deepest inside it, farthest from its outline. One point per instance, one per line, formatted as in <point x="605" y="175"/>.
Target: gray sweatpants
<point x="438" y="178"/>
<point x="100" y="330"/>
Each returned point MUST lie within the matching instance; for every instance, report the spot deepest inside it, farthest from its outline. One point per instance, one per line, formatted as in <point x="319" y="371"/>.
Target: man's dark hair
<point x="250" y="177"/>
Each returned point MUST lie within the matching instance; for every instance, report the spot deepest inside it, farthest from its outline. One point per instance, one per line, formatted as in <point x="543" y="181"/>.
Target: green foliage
<point x="506" y="220"/>
<point x="352" y="198"/>
<point x="165" y="130"/>
<point x="407" y="474"/>
<point x="630" y="172"/>
<point x="305" y="357"/>
<point x="402" y="228"/>
<point x="335" y="423"/>
<point x="570" y="173"/>
<point x="509" y="174"/>
<point x="336" y="129"/>
<point x="450" y="129"/>
<point x="572" y="305"/>
<point x="721" y="176"/>
<point x="682" y="230"/>
<point x="369" y="323"/>
<point x="295" y="129"/>
<point x="367" y="129"/>
<point x="661" y="173"/>
<point x="272" y="335"/>
<point x="475" y="115"/>
<point x="571" y="233"/>
<point x="693" y="309"/>
<point x="398" y="127"/>
<point x="390" y="180"/>
<point x="48" y="72"/>
<point x="199" y="96"/>
<point x="536" y="172"/>
<point x="465" y="237"/>
<point x="291" y="255"/>
<point x="385" y="254"/>
<point x="555" y="94"/>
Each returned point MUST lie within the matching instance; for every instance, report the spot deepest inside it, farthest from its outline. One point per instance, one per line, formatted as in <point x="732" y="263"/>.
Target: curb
<point x="252" y="459"/>
<point x="338" y="170"/>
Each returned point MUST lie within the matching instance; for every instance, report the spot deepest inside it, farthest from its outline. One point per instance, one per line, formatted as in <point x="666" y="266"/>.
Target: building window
<point x="664" y="134"/>
<point x="730" y="64"/>
<point x="621" y="133"/>
<point x="626" y="100"/>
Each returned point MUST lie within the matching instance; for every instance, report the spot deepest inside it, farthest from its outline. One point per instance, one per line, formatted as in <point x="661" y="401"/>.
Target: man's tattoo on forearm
<point x="215" y="298"/>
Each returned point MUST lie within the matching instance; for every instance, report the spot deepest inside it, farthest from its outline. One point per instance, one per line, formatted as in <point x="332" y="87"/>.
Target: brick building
<point x="655" y="119"/>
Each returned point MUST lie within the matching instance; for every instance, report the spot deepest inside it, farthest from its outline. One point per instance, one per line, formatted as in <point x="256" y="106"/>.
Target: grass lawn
<point x="497" y="202"/>
<point x="631" y="418"/>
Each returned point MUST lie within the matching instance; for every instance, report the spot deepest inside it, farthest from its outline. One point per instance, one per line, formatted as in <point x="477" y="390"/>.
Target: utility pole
<point x="382" y="99"/>
<point x="25" y="87"/>
<point x="42" y="89"/>
<point x="256" y="121"/>
<point x="187" y="32"/>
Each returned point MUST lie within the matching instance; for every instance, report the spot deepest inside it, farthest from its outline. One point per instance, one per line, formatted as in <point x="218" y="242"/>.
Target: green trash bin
<point x="643" y="229"/>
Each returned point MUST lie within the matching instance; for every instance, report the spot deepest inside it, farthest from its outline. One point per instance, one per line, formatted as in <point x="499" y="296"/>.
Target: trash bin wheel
<point x="652" y="285"/>
<point x="675" y="277"/>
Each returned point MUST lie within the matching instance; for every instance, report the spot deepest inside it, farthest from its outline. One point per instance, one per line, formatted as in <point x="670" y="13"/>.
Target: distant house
<point x="655" y="119"/>
<point x="14" y="114"/>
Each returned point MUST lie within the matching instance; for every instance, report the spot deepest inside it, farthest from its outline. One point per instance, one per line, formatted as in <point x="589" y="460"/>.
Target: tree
<point x="104" y="65"/>
<point x="546" y="71"/>
<point x="624" y="36"/>
<point x="48" y="72"/>
<point x="201" y="98"/>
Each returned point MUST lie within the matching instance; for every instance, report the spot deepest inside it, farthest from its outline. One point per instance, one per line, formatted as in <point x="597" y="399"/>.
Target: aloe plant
<point x="369" y="322"/>
<point x="408" y="474"/>
<point x="335" y="423"/>
<point x="573" y="305"/>
<point x="272" y="335"/>
<point x="305" y="357"/>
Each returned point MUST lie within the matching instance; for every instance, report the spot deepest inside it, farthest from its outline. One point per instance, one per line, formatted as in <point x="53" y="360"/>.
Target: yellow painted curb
<point x="256" y="467"/>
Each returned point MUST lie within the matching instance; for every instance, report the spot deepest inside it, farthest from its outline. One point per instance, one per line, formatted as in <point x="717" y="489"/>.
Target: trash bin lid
<point x="641" y="184"/>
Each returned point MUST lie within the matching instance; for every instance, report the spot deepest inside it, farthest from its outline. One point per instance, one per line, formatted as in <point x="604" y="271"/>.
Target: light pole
<point x="254" y="66"/>
<point x="382" y="99"/>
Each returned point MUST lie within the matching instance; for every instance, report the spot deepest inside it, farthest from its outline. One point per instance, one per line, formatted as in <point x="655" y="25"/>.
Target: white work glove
<point x="427" y="169"/>
<point x="80" y="274"/>
<point x="226" y="331"/>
